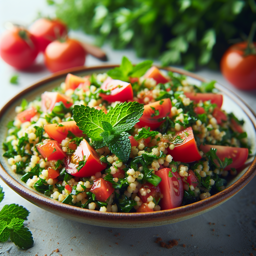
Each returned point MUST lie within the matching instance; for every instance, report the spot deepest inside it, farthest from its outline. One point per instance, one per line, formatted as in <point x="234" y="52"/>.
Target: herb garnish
<point x="145" y="133"/>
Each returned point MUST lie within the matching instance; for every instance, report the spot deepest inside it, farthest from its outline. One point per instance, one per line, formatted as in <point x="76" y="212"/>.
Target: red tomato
<point x="102" y="189"/>
<point x="72" y="82"/>
<point x="239" y="69"/>
<point x="102" y="108"/>
<point x="119" y="90"/>
<point x="155" y="73"/>
<point x="235" y="126"/>
<point x="68" y="187"/>
<point x="214" y="98"/>
<point x="171" y="188"/>
<point x="134" y="79"/>
<point x="144" y="208"/>
<point x="191" y="179"/>
<point x="72" y="145"/>
<point x="49" y="99"/>
<point x="53" y="174"/>
<point x="86" y="153"/>
<point x="150" y="190"/>
<point x="60" y="55"/>
<point x="238" y="155"/>
<point x="60" y="131"/>
<point x="51" y="150"/>
<point x="155" y="111"/>
<point x="186" y="151"/>
<point x="219" y="115"/>
<point x="18" y="48"/>
<point x="134" y="143"/>
<point x="47" y="30"/>
<point x="199" y="110"/>
<point x="120" y="174"/>
<point x="27" y="114"/>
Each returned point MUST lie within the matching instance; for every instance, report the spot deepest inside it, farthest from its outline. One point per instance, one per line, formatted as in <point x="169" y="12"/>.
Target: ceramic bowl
<point x="125" y="220"/>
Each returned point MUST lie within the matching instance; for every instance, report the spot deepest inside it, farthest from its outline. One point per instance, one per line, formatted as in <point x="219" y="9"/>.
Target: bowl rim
<point x="182" y="211"/>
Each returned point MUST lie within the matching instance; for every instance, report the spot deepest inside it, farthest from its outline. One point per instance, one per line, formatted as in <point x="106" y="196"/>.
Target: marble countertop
<point x="229" y="229"/>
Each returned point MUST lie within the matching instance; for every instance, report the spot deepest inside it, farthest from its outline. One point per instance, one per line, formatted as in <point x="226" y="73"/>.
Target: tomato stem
<point x="250" y="48"/>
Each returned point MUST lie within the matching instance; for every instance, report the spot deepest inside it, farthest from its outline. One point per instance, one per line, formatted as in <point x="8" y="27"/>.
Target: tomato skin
<point x="46" y="30"/>
<point x="51" y="150"/>
<point x="199" y="110"/>
<point x="102" y="189"/>
<point x="155" y="73"/>
<point x="63" y="55"/>
<point x="238" y="155"/>
<point x="238" y="69"/>
<point x="134" y="143"/>
<point x="235" y="126"/>
<point x="154" y="192"/>
<point x="73" y="82"/>
<point x="68" y="188"/>
<point x="27" y="114"/>
<point x="59" y="133"/>
<point x="171" y="188"/>
<point x="219" y="115"/>
<point x="187" y="151"/>
<point x="191" y="179"/>
<point x="18" y="48"/>
<point x="144" y="208"/>
<point x="49" y="99"/>
<point x="120" y="91"/>
<point x="120" y="174"/>
<point x="214" y="98"/>
<point x="84" y="152"/>
<point x="53" y="174"/>
<point x="147" y="119"/>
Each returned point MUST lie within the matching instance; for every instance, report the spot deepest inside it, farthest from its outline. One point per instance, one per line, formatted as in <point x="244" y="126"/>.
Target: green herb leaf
<point x="4" y="231"/>
<point x="13" y="210"/>
<point x="212" y="155"/>
<point x="22" y="237"/>
<point x="141" y="68"/>
<point x="146" y="133"/>
<point x="24" y="104"/>
<point x="14" y="79"/>
<point x="1" y="194"/>
<point x="16" y="223"/>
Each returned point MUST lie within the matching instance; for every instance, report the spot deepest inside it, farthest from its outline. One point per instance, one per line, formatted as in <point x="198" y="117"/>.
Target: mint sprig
<point x="109" y="129"/>
<point x="127" y="70"/>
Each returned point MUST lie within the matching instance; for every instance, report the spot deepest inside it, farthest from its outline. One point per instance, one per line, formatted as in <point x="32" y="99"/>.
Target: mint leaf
<point x="16" y="223"/>
<point x="13" y="211"/>
<point x="1" y="194"/>
<point x="107" y="126"/>
<point x="22" y="237"/>
<point x="4" y="232"/>
<point x="14" y="79"/>
<point x="98" y="144"/>
<point x="121" y="146"/>
<point x="126" y="66"/>
<point x="118" y="74"/>
<point x="146" y="133"/>
<point x="24" y="104"/>
<point x="141" y="68"/>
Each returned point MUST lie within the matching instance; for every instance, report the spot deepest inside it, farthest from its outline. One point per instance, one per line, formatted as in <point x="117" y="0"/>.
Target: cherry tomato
<point x="185" y="149"/>
<point x="238" y="69"/>
<point x="73" y="82"/>
<point x="219" y="115"/>
<point x="150" y="190"/>
<point x="191" y="179"/>
<point x="60" y="131"/>
<point x="86" y="153"/>
<point x="51" y="150"/>
<point x="238" y="155"/>
<point x="156" y="74"/>
<point x="144" y="208"/>
<point x="119" y="90"/>
<point x="236" y="127"/>
<point x="53" y="174"/>
<point x="199" y="110"/>
<point x="134" y="143"/>
<point x="214" y="98"/>
<point x="18" y="48"/>
<point x="46" y="30"/>
<point x="120" y="174"/>
<point x="27" y="114"/>
<point x="154" y="112"/>
<point x="102" y="189"/>
<point x="49" y="99"/>
<point x="64" y="54"/>
<point x="171" y="187"/>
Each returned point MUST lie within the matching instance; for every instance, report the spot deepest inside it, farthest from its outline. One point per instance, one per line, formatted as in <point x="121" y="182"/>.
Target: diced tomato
<point x="53" y="174"/>
<point x="191" y="179"/>
<point x="51" y="150"/>
<point x="134" y="79"/>
<point x="238" y="155"/>
<point x="119" y="90"/>
<point x="171" y="187"/>
<point x="144" y="208"/>
<point x="86" y="153"/>
<point x="156" y="74"/>
<point x="150" y="190"/>
<point x="72" y="145"/>
<point x="199" y="110"/>
<point x="214" y="98"/>
<point x="219" y="115"/>
<point x="154" y="112"/>
<point x="102" y="189"/>
<point x="102" y="108"/>
<point x="49" y="99"/>
<point x="120" y="174"/>
<point x="27" y="114"/>
<point x="235" y="126"/>
<point x="187" y="150"/>
<point x="68" y="187"/>
<point x="134" y="143"/>
<point x="60" y="131"/>
<point x="72" y="81"/>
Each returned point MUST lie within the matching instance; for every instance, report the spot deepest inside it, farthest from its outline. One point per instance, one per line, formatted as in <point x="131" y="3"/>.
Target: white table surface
<point x="234" y="232"/>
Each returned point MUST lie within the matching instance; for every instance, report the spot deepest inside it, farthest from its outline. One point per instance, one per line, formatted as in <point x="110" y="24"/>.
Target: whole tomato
<point x="63" y="54"/>
<point x="18" y="48"/>
<point x="238" y="67"/>
<point x="47" y="30"/>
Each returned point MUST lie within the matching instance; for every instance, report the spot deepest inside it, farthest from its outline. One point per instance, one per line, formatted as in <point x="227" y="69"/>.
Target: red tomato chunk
<point x="191" y="179"/>
<point x="73" y="82"/>
<point x="53" y="174"/>
<point x="214" y="98"/>
<point x="148" y="190"/>
<point x="27" y="114"/>
<point x="156" y="74"/>
<point x="102" y="189"/>
<point x="144" y="208"/>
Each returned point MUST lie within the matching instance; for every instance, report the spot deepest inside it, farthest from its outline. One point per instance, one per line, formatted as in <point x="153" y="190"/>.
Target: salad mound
<point x="133" y="139"/>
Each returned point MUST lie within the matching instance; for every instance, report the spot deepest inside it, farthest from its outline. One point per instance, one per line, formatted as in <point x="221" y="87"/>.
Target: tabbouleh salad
<point x="133" y="139"/>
